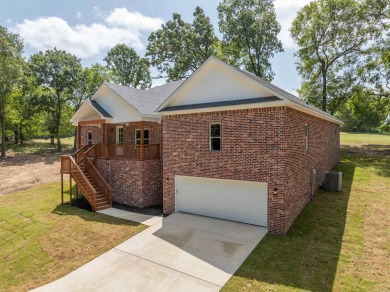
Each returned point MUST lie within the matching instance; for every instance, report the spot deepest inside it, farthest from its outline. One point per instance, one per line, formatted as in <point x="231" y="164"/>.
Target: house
<point x="224" y="143"/>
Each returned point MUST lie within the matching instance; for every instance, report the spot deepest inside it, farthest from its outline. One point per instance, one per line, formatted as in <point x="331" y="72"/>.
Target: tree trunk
<point x="51" y="137"/>
<point x="21" y="136"/>
<point x="324" y="90"/>
<point x="58" y="122"/>
<point x="75" y="139"/>
<point x="16" y="132"/>
<point x="2" y="136"/>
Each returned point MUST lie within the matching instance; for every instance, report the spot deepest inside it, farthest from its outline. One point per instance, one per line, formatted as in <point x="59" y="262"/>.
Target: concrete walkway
<point x="181" y="252"/>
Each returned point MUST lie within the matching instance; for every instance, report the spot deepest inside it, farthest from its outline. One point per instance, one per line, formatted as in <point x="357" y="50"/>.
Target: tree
<point x="332" y="35"/>
<point x="89" y="81"/>
<point x="250" y="31"/>
<point x="127" y="68"/>
<point x="11" y="48"/>
<point x="57" y="72"/>
<point x="22" y="115"/>
<point x="178" y="48"/>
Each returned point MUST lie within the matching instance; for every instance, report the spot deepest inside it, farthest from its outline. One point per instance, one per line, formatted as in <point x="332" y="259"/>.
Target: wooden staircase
<point x="89" y="181"/>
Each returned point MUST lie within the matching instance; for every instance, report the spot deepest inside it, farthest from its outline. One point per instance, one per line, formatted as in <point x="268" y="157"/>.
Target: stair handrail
<point x="77" y="153"/>
<point x="92" y="189"/>
<point x="107" y="191"/>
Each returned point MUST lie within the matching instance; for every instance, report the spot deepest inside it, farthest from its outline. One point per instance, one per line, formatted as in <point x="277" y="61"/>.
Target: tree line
<point x="342" y="56"/>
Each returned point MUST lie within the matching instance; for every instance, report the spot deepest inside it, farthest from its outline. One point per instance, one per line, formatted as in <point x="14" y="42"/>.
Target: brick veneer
<point x="134" y="183"/>
<point x="264" y="145"/>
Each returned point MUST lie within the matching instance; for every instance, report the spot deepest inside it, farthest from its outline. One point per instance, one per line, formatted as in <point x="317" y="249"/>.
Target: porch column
<point x="105" y="146"/>
<point x="142" y="142"/>
<point x="78" y="136"/>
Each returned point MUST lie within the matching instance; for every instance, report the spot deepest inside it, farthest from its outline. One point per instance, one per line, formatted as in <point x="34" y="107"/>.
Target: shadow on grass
<point x="67" y="210"/>
<point x="307" y="257"/>
<point x="366" y="150"/>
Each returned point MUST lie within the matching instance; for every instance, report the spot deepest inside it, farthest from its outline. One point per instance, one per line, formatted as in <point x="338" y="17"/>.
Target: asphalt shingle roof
<point x="145" y="101"/>
<point x="101" y="110"/>
<point x="221" y="103"/>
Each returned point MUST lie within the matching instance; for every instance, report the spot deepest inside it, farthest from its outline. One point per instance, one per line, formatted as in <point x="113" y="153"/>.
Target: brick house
<point x="224" y="143"/>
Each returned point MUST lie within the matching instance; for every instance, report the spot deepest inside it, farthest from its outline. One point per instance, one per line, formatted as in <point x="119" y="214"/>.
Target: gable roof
<point x="101" y="110"/>
<point x="221" y="103"/>
<point x="283" y="95"/>
<point x="145" y="101"/>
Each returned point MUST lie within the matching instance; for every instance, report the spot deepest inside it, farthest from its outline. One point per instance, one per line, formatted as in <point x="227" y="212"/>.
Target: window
<point x="215" y="137"/>
<point x="306" y="137"/>
<point x="89" y="138"/>
<point x="138" y="136"/>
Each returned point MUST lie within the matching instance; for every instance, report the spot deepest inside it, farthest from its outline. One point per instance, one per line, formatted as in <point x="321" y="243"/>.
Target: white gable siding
<point x="116" y="106"/>
<point x="214" y="84"/>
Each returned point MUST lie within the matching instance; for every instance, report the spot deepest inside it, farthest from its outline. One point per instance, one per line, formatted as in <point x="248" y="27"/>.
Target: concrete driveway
<point x="182" y="252"/>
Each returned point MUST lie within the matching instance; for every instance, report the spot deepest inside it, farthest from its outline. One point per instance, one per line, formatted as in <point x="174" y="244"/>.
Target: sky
<point x="90" y="28"/>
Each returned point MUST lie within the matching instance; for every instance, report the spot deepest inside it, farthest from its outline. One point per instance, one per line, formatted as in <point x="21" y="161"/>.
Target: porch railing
<point x="129" y="151"/>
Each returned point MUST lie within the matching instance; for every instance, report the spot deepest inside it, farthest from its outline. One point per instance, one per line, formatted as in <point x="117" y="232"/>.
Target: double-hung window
<point x="215" y="137"/>
<point x="138" y="136"/>
<point x="89" y="138"/>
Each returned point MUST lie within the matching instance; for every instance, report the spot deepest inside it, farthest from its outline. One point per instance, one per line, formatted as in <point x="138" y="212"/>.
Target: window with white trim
<point x="306" y="137"/>
<point x="89" y="138"/>
<point x="215" y="137"/>
<point x="138" y="136"/>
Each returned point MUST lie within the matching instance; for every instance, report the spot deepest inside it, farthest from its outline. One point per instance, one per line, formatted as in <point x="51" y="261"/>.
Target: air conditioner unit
<point x="333" y="181"/>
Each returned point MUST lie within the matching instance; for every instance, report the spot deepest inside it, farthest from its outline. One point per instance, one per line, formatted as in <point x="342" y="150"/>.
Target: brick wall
<point x="322" y="155"/>
<point x="264" y="145"/>
<point x="134" y="183"/>
<point x="252" y="150"/>
<point x="97" y="134"/>
<point x="129" y="132"/>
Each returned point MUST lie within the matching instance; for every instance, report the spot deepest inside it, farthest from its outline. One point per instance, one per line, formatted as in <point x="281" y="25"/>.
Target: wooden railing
<point x="79" y="154"/>
<point x="129" y="151"/>
<point x="65" y="164"/>
<point x="91" y="153"/>
<point x="83" y="183"/>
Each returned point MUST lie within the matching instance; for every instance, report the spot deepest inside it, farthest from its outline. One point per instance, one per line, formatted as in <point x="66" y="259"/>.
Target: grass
<point x="41" y="240"/>
<point x="364" y="139"/>
<point x="39" y="146"/>
<point x="341" y="241"/>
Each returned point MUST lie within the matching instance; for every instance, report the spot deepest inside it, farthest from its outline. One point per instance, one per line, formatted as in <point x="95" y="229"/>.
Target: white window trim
<point x="89" y="141"/>
<point x="135" y="136"/>
<point x="306" y="137"/>
<point x="220" y="137"/>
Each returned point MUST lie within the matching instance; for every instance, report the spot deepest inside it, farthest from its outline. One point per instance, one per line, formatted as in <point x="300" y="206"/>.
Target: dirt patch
<point x="22" y="171"/>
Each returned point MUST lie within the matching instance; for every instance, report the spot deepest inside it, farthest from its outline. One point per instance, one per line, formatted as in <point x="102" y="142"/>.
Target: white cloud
<point x="286" y="12"/>
<point x="97" y="11"/>
<point x="120" y="26"/>
<point x="78" y="15"/>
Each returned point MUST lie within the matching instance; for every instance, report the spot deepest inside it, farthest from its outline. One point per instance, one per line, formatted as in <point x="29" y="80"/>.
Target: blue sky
<point x="89" y="28"/>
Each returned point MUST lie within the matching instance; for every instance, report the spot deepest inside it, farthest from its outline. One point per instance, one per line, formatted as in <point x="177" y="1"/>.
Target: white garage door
<point x="241" y="201"/>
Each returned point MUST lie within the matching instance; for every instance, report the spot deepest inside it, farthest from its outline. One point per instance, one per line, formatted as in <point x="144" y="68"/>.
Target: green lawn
<point x="341" y="241"/>
<point x="41" y="240"/>
<point x="39" y="146"/>
<point x="364" y="139"/>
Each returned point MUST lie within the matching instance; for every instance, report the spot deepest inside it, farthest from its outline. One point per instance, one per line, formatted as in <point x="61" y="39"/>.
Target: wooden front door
<point x="119" y="140"/>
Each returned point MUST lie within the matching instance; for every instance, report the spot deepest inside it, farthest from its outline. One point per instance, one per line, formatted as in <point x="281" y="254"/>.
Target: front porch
<point x="133" y="141"/>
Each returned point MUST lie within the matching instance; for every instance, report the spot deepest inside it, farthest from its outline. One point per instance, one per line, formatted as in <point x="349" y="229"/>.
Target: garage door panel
<point x="234" y="200"/>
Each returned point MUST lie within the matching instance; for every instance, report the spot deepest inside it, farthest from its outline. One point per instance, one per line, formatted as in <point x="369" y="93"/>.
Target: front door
<point x="119" y="140"/>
